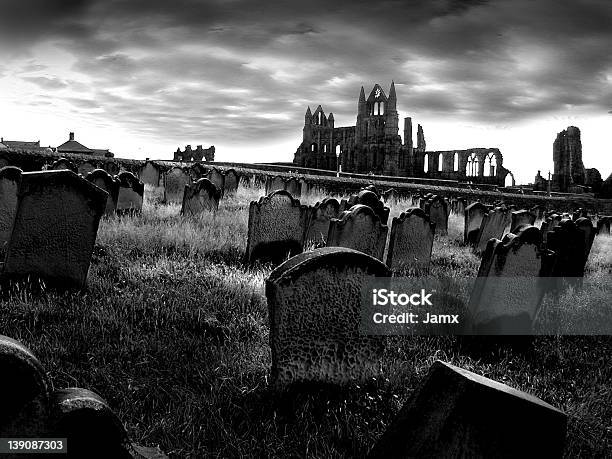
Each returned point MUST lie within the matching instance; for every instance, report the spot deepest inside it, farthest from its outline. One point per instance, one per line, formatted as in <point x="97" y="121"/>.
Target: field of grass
<point x="173" y="332"/>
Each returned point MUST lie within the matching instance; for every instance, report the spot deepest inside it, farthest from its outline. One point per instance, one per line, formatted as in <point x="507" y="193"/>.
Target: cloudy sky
<point x="142" y="77"/>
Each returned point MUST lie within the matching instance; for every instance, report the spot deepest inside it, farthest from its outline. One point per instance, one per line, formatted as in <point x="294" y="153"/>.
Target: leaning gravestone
<point x="412" y="235"/>
<point x="492" y="227"/>
<point x="230" y="183"/>
<point x="360" y="229"/>
<point x="10" y="178"/>
<point x="520" y="218"/>
<point x="150" y="174"/>
<point x="131" y="193"/>
<point x="276" y="227"/>
<point x="509" y="288"/>
<point x="174" y="184"/>
<point x="459" y="414"/>
<point x="105" y="181"/>
<point x="217" y="178"/>
<point x="55" y="227"/>
<point x="437" y="209"/>
<point x="201" y="196"/>
<point x="30" y="408"/>
<point x="473" y="216"/>
<point x="314" y="302"/>
<point x="63" y="164"/>
<point x="318" y="221"/>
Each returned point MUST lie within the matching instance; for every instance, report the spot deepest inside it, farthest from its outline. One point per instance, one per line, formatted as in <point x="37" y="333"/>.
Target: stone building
<point x="570" y="175"/>
<point x="195" y="156"/>
<point x="74" y="147"/>
<point x="374" y="146"/>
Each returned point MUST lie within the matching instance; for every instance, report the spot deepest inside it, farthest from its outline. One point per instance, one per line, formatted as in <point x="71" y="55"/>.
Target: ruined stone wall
<point x="567" y="157"/>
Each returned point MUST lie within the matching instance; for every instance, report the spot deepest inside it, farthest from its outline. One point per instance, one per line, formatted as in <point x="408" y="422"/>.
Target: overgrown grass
<point x="173" y="332"/>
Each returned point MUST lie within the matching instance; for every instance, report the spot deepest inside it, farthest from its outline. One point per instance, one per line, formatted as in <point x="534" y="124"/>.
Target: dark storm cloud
<point x="191" y="68"/>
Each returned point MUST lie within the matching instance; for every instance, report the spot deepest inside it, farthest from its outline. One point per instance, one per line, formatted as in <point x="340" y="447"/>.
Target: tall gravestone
<point x="217" y="178"/>
<point x="318" y="222"/>
<point x="55" y="227"/>
<point x="459" y="414"/>
<point x="473" y="216"/>
<point x="150" y="174"/>
<point x="201" y="196"/>
<point x="492" y="227"/>
<point x="276" y="227"/>
<point x="174" y="185"/>
<point x="108" y="183"/>
<point x="314" y="302"/>
<point x="63" y="164"/>
<point x="131" y="193"/>
<point x="10" y="179"/>
<point x="437" y="209"/>
<point x="411" y="241"/>
<point x="230" y="182"/>
<point x="520" y="218"/>
<point x="509" y="289"/>
<point x="586" y="225"/>
<point x="569" y="242"/>
<point x="360" y="229"/>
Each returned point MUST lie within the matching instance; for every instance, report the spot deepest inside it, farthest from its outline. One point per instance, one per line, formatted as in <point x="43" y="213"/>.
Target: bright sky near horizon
<point x="142" y="78"/>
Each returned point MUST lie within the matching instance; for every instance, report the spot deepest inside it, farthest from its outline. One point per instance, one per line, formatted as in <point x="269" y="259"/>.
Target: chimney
<point x="71" y="137"/>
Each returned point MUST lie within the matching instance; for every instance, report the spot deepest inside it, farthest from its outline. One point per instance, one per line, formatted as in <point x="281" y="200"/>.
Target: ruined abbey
<point x="374" y="146"/>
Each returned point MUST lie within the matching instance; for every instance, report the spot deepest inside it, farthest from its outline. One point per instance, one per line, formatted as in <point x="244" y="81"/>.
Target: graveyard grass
<point x="173" y="332"/>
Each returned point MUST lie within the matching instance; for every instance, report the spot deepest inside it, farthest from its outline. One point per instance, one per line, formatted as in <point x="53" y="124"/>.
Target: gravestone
<point x="411" y="241"/>
<point x="10" y="178"/>
<point x="131" y="193"/>
<point x="459" y="414"/>
<point x="174" y="185"/>
<point x="391" y="197"/>
<point x="150" y="174"/>
<point x="55" y="228"/>
<point x="292" y="185"/>
<point x="85" y="168"/>
<point x="521" y="217"/>
<point x="196" y="171"/>
<point x="63" y="164"/>
<point x="274" y="184"/>
<point x="318" y="221"/>
<point x="437" y="209"/>
<point x="473" y="216"/>
<point x="603" y="225"/>
<point x="105" y="181"/>
<point x="230" y="182"/>
<point x="314" y="302"/>
<point x="201" y="196"/>
<point x="359" y="229"/>
<point x="111" y="167"/>
<point x="372" y="200"/>
<point x="509" y="288"/>
<point x="492" y="227"/>
<point x="568" y="241"/>
<point x="586" y="225"/>
<point x="217" y="178"/>
<point x="304" y="187"/>
<point x="276" y="227"/>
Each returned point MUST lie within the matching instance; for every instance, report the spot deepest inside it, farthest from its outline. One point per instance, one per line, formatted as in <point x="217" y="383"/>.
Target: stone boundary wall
<point x="326" y="181"/>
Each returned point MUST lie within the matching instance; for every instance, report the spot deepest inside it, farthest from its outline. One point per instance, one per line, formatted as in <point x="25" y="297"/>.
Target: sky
<point x="143" y="77"/>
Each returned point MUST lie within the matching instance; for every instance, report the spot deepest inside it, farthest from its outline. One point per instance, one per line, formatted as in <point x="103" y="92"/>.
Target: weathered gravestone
<point x="131" y="193"/>
<point x="603" y="225"/>
<point x="437" y="209"/>
<point x="105" y="181"/>
<point x="520" y="218"/>
<point x="372" y="200"/>
<point x="196" y="171"/>
<point x="314" y="302"/>
<point x="458" y="414"/>
<point x="586" y="225"/>
<point x="474" y="214"/>
<point x="274" y="184"/>
<point x="217" y="178"/>
<point x="174" y="184"/>
<point x="492" y="227"/>
<point x="391" y="197"/>
<point x="360" y="229"/>
<point x="292" y="185"/>
<point x="150" y="174"/>
<point x="85" y="168"/>
<point x="82" y="417"/>
<point x="568" y="241"/>
<point x="276" y="227"/>
<point x="55" y="228"/>
<point x="230" y="183"/>
<point x="10" y="178"/>
<point x="318" y="221"/>
<point x="63" y="164"/>
<point x="201" y="196"/>
<point x="509" y="288"/>
<point x="411" y="241"/>
<point x="305" y="187"/>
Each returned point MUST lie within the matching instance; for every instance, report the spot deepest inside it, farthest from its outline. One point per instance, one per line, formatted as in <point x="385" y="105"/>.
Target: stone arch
<point x="490" y="166"/>
<point x="471" y="168"/>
